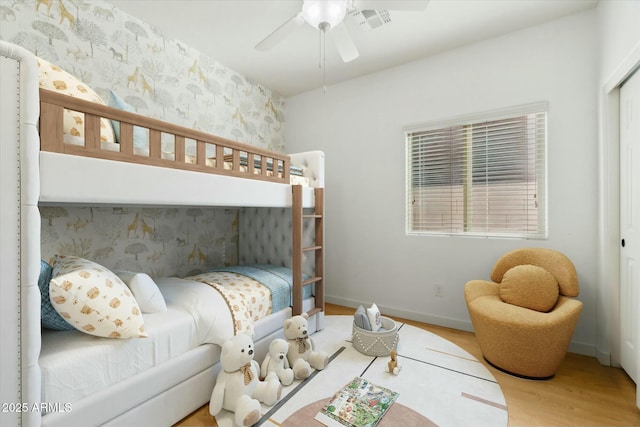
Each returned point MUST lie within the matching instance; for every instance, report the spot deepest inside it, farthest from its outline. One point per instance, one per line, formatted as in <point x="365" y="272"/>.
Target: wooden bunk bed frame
<point x="40" y="169"/>
<point x="52" y="106"/>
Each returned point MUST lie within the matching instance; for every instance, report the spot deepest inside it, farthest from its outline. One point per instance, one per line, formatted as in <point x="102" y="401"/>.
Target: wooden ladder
<point x="298" y="217"/>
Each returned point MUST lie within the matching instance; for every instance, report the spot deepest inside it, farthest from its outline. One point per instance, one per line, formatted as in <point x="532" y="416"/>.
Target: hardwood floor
<point x="583" y="392"/>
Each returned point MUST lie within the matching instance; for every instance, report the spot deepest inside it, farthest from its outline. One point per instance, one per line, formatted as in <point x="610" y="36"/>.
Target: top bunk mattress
<point x="93" y="181"/>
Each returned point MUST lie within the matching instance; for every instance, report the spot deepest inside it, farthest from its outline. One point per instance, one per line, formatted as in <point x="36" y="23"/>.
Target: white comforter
<point x="209" y="310"/>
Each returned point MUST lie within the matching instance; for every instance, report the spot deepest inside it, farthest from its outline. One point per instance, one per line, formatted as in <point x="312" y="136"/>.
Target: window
<point x="482" y="176"/>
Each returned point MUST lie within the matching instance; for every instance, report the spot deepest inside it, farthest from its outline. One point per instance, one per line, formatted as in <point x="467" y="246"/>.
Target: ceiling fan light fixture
<point x="318" y="12"/>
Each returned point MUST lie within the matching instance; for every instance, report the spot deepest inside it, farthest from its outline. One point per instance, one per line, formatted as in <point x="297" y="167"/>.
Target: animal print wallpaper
<point x="160" y="77"/>
<point x="161" y="242"/>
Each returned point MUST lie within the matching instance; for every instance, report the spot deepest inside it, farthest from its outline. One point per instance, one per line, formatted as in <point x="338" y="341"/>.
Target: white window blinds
<point x="482" y="176"/>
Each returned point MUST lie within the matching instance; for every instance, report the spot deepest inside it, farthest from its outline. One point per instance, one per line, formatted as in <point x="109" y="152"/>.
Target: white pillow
<point x="373" y="313"/>
<point x="144" y="290"/>
<point x="93" y="299"/>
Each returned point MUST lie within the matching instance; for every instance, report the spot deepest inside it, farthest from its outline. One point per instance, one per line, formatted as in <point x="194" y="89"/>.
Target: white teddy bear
<point x="302" y="356"/>
<point x="276" y="361"/>
<point x="238" y="388"/>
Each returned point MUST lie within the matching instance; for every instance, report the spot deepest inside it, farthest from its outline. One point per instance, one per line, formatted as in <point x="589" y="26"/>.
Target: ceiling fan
<point x="328" y="17"/>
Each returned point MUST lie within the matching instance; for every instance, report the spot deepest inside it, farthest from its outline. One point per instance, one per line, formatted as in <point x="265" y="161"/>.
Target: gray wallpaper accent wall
<point x="161" y="242"/>
<point x="166" y="242"/>
<point x="265" y="238"/>
<point x="160" y="77"/>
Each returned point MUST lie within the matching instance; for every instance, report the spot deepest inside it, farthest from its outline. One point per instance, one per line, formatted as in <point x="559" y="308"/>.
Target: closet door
<point x="630" y="226"/>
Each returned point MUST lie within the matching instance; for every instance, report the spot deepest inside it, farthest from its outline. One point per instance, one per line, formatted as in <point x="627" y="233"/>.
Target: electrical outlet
<point x="438" y="291"/>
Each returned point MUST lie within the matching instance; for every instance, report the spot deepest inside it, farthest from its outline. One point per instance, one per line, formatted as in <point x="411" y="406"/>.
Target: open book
<point x="360" y="403"/>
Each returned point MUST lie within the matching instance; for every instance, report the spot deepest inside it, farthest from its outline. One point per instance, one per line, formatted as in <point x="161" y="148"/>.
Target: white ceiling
<point x="228" y="30"/>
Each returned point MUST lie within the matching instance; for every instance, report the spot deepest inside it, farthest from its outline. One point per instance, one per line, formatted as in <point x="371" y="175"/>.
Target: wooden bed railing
<point x="237" y="155"/>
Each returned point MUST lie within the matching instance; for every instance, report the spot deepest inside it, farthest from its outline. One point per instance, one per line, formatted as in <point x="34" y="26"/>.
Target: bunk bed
<point x="45" y="167"/>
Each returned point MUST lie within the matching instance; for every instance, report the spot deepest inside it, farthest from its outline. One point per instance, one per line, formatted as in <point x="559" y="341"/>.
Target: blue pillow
<point x="361" y="319"/>
<point x="140" y="137"/>
<point x="49" y="317"/>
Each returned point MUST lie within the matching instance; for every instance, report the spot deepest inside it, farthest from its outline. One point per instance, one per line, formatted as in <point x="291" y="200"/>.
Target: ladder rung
<point x="312" y="280"/>
<point x="312" y="216"/>
<point x="311" y="248"/>
<point x="314" y="311"/>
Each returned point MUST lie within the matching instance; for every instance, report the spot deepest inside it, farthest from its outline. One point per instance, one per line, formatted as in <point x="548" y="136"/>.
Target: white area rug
<point x="439" y="380"/>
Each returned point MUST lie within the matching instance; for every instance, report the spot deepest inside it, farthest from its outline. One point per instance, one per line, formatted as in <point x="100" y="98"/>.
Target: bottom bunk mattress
<point x="75" y="365"/>
<point x="202" y="309"/>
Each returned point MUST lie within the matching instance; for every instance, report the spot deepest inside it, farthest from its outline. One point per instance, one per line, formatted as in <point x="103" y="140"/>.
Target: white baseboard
<point x="406" y="314"/>
<point x="604" y="358"/>
<point x="574" y="347"/>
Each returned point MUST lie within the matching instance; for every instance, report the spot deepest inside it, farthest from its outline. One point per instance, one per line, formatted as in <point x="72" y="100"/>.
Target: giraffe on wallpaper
<point x="133" y="78"/>
<point x="146" y="87"/>
<point x="46" y="3"/>
<point x="133" y="226"/>
<point x="192" y="255"/>
<point x="65" y="14"/>
<point x="146" y="229"/>
<point x="202" y="77"/>
<point x="192" y="69"/>
<point x="202" y="257"/>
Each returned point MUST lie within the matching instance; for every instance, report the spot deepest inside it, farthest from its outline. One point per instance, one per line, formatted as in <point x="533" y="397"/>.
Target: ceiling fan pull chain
<point x="323" y="53"/>
<point x="320" y="39"/>
<point x="324" y="62"/>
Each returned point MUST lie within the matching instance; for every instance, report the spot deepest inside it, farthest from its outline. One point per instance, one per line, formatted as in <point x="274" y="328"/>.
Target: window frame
<point x="541" y="172"/>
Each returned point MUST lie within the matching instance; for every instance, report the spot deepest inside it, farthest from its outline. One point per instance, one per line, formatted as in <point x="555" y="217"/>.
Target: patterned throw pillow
<point x="373" y="313"/>
<point x="54" y="78"/>
<point x="49" y="318"/>
<point x="94" y="300"/>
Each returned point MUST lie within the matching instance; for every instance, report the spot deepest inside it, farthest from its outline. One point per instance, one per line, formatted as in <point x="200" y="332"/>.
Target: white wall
<point x="359" y="124"/>
<point x="619" y="50"/>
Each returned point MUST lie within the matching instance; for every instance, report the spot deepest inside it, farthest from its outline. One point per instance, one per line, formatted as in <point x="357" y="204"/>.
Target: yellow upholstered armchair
<point x="525" y="318"/>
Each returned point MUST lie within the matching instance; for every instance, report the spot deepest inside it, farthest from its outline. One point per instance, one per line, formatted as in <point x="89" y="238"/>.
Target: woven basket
<point x="378" y="343"/>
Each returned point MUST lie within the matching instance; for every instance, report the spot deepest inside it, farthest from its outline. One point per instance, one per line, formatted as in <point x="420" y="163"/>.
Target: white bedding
<point x="75" y="365"/>
<point x="207" y="308"/>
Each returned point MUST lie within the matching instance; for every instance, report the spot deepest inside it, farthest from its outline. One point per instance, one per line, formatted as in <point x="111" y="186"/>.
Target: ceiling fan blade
<point x="390" y="4"/>
<point x="281" y="32"/>
<point x="342" y="39"/>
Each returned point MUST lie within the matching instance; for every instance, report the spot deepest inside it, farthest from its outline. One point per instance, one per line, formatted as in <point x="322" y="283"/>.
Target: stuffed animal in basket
<point x="303" y="358"/>
<point x="238" y="388"/>
<point x="276" y="361"/>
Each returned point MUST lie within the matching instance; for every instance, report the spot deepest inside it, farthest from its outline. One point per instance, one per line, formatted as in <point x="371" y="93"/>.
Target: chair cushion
<point x="553" y="261"/>
<point x="529" y="286"/>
